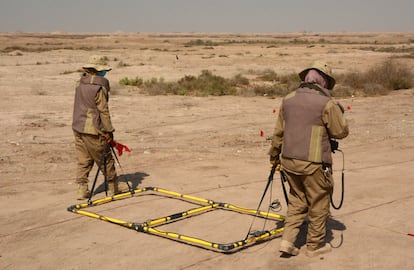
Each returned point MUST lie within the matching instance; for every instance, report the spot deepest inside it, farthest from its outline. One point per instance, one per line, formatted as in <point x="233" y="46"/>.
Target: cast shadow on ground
<point x="133" y="179"/>
<point x="332" y="225"/>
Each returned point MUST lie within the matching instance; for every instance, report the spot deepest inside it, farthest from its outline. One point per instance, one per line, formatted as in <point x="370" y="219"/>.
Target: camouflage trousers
<point x="89" y="150"/>
<point x="308" y="197"/>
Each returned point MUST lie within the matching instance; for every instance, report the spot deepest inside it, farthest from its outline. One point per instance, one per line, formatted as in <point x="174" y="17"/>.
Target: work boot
<point x="313" y="253"/>
<point x="288" y="248"/>
<point x="116" y="187"/>
<point x="83" y="191"/>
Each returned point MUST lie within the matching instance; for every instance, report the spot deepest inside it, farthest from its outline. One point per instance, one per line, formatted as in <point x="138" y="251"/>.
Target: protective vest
<point x="86" y="117"/>
<point x="305" y="136"/>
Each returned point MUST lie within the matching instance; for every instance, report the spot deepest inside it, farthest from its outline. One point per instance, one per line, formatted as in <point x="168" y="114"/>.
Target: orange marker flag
<point x="120" y="147"/>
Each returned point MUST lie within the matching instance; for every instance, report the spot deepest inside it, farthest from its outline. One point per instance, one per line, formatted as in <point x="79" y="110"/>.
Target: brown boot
<point x="116" y="187"/>
<point x="313" y="253"/>
<point x="288" y="248"/>
<point x="83" y="191"/>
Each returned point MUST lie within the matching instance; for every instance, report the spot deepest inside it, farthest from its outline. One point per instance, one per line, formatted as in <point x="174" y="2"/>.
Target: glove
<point x="275" y="162"/>
<point x="334" y="145"/>
<point x="109" y="137"/>
<point x="274" y="159"/>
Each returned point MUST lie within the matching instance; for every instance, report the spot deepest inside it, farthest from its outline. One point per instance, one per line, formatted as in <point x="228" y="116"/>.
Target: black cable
<point x="283" y="180"/>
<point x="269" y="181"/>
<point x="103" y="160"/>
<point x="119" y="164"/>
<point x="342" y="184"/>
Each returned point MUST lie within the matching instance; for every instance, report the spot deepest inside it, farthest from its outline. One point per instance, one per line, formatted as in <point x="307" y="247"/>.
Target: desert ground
<point x="209" y="147"/>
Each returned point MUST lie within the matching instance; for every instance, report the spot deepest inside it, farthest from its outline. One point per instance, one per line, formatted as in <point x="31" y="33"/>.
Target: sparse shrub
<point x="271" y="90"/>
<point x="123" y="64"/>
<point x="133" y="82"/>
<point x="374" y="89"/>
<point x="290" y="79"/>
<point x="152" y="81"/>
<point x="214" y="85"/>
<point x="268" y="75"/>
<point x="200" y="42"/>
<point x="391" y="75"/>
<point x="159" y="87"/>
<point x="206" y="84"/>
<point x="342" y="91"/>
<point x="353" y="80"/>
<point x="240" y="80"/>
<point x="182" y="92"/>
<point x="379" y="80"/>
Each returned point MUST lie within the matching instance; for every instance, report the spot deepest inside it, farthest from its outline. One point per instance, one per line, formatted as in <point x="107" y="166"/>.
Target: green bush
<point x="133" y="82"/>
<point x="205" y="84"/>
<point x="378" y="80"/>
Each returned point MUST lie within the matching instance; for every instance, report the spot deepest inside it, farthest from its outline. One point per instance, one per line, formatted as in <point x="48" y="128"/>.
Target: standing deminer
<point x="308" y="119"/>
<point x="92" y="126"/>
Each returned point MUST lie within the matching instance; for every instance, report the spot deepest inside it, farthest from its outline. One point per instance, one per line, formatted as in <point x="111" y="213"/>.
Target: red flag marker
<point x="348" y="108"/>
<point x="120" y="147"/>
<point x="261" y="133"/>
<point x="274" y="110"/>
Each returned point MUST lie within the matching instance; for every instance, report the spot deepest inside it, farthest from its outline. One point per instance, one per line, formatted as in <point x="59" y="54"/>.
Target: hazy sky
<point x="206" y="15"/>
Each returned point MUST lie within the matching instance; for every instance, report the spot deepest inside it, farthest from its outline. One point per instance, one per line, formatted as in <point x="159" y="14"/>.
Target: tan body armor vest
<point x="86" y="117"/>
<point x="305" y="135"/>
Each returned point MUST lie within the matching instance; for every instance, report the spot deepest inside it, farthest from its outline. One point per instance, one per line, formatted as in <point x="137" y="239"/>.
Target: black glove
<point x="109" y="137"/>
<point x="334" y="145"/>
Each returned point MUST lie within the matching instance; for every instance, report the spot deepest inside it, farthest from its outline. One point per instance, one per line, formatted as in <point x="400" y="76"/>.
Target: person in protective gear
<point x="92" y="126"/>
<point x="308" y="119"/>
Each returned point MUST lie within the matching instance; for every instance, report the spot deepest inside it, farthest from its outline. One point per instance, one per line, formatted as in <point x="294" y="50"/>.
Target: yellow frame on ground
<point x="206" y="205"/>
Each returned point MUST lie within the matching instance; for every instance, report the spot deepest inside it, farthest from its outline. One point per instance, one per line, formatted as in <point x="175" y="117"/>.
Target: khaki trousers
<point x="89" y="149"/>
<point x="308" y="196"/>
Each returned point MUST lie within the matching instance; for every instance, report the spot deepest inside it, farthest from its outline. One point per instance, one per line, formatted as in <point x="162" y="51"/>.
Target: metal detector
<point x="103" y="162"/>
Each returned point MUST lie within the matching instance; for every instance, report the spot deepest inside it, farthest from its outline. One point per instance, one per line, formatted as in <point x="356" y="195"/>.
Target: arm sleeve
<point x="335" y="121"/>
<point x="101" y="100"/>
<point x="277" y="139"/>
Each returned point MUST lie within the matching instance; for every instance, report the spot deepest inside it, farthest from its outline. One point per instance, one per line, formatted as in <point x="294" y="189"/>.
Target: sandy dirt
<point x="209" y="147"/>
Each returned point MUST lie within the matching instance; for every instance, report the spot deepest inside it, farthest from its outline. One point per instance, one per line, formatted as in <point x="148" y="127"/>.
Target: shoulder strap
<point x="314" y="87"/>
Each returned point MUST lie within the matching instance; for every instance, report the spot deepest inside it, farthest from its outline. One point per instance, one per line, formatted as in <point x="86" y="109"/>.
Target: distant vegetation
<point x="379" y="80"/>
<point x="203" y="85"/>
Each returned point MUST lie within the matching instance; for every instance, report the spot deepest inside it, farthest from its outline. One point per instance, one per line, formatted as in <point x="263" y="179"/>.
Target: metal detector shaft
<point x="283" y="180"/>
<point x="119" y="164"/>
<point x="269" y="181"/>
<point x="103" y="160"/>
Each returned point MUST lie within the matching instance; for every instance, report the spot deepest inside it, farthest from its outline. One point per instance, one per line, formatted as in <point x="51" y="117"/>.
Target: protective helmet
<point x="99" y="63"/>
<point x="323" y="68"/>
